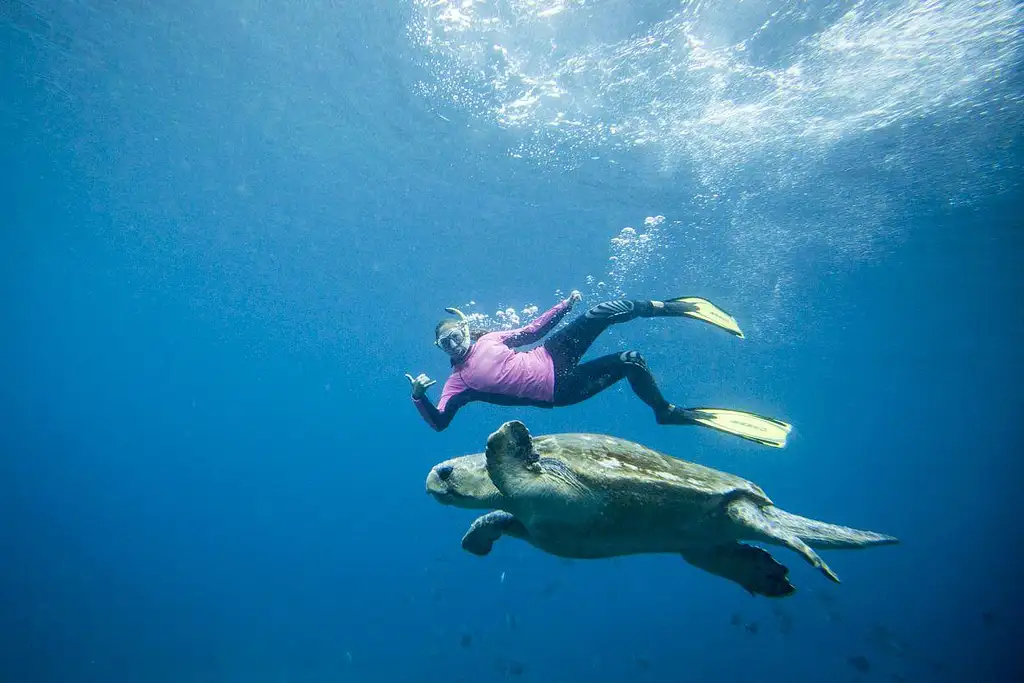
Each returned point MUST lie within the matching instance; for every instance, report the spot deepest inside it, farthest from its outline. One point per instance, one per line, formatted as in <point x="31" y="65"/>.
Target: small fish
<point x="860" y="663"/>
<point x="503" y="577"/>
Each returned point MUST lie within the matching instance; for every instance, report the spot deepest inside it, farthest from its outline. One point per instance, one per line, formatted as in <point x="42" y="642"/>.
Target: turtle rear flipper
<point x="749" y="515"/>
<point x="753" y="568"/>
<point x="487" y="529"/>
<point x="823" y="535"/>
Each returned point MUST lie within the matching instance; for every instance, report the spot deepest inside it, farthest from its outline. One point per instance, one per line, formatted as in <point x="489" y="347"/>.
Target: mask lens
<point x="452" y="340"/>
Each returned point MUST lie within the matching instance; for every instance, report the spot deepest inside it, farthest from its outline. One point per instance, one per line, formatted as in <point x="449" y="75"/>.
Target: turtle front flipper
<point x="487" y="529"/>
<point x="747" y="514"/>
<point x="511" y="460"/>
<point x="753" y="568"/>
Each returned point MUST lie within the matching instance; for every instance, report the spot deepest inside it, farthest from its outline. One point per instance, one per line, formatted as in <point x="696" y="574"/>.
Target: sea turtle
<point x="595" y="496"/>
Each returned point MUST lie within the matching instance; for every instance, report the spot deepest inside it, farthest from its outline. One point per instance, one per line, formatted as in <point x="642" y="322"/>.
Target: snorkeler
<point x="487" y="367"/>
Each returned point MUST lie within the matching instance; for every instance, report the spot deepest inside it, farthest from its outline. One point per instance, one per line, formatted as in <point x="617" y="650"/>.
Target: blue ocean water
<point x="228" y="232"/>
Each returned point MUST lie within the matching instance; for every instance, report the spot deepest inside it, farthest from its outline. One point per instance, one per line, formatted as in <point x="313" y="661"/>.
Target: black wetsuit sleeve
<point x="437" y="419"/>
<point x="536" y="330"/>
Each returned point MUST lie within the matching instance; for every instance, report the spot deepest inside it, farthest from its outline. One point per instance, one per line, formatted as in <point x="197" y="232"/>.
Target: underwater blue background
<point x="223" y="243"/>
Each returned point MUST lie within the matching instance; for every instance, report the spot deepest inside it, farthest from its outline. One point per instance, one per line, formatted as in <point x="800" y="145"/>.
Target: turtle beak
<point x="437" y="483"/>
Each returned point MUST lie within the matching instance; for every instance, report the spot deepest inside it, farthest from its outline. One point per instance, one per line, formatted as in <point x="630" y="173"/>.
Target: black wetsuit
<point x="574" y="381"/>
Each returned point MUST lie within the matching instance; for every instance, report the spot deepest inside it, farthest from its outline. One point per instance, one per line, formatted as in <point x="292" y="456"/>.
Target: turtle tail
<point x="823" y="535"/>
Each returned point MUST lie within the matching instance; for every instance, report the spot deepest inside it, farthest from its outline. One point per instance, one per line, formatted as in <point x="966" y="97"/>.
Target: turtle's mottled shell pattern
<point x="611" y="464"/>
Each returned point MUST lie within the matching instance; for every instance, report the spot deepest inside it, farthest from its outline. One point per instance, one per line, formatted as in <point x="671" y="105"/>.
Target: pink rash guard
<point x="493" y="371"/>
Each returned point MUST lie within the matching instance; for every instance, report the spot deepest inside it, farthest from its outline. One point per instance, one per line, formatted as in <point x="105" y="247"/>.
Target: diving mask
<point x="456" y="341"/>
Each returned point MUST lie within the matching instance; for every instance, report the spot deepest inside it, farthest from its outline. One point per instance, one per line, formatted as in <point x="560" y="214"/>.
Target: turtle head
<point x="463" y="482"/>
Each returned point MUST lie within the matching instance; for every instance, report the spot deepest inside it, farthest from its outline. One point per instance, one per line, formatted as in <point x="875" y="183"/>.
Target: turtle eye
<point x="444" y="472"/>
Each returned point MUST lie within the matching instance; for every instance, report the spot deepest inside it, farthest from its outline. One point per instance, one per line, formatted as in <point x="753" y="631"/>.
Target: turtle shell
<point x="624" y="471"/>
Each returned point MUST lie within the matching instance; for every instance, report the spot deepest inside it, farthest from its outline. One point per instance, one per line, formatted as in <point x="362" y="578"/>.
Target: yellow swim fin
<point x="702" y="309"/>
<point x="763" y="430"/>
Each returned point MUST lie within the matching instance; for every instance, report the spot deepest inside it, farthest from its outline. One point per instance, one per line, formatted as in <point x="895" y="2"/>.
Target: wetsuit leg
<point x="568" y="345"/>
<point x="580" y="382"/>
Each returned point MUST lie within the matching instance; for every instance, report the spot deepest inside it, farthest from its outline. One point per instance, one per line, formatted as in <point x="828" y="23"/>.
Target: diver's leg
<point x="583" y="381"/>
<point x="568" y="345"/>
<point x="577" y="383"/>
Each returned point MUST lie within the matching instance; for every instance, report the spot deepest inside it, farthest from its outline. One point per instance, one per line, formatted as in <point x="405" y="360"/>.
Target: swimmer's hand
<point x="574" y="297"/>
<point x="420" y="384"/>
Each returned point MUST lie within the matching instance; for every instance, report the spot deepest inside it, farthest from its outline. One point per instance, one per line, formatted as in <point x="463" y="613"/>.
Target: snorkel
<point x="453" y="337"/>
